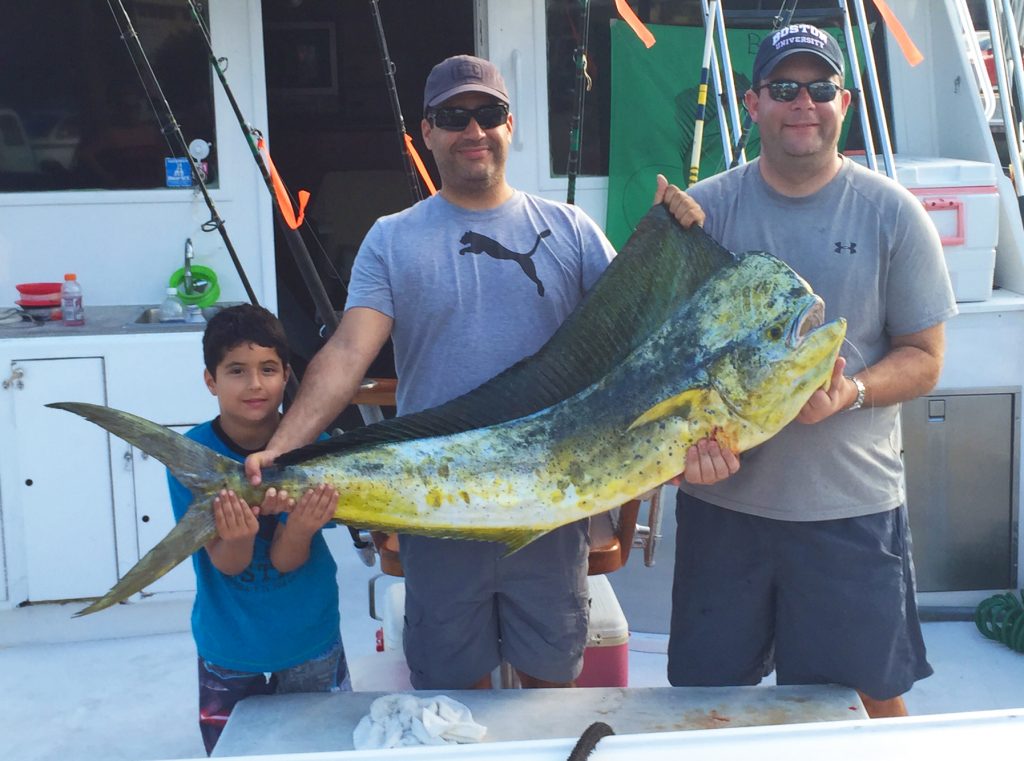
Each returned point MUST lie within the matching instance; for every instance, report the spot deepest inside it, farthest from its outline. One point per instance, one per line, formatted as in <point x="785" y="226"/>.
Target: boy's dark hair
<point x="238" y="325"/>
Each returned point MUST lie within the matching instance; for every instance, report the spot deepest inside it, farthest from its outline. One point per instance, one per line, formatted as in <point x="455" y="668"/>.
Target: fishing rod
<point x="396" y="106"/>
<point x="583" y="83"/>
<point x="702" y="94"/>
<point x="725" y="88"/>
<point x="151" y="85"/>
<point x="781" y="19"/>
<point x="872" y="73"/>
<point x="254" y="139"/>
<point x="1003" y="80"/>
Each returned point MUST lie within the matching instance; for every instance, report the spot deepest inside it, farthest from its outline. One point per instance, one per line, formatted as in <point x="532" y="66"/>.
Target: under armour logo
<point x="852" y="248"/>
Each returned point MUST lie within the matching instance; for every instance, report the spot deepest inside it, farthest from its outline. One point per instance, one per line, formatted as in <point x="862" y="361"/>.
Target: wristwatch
<point x="861" y="390"/>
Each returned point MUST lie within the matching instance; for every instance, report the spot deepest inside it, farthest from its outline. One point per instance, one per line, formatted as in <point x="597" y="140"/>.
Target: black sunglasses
<point x="457" y="119"/>
<point x="786" y="90"/>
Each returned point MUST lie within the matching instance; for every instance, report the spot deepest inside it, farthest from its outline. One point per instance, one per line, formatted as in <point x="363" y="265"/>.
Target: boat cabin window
<point x="74" y="114"/>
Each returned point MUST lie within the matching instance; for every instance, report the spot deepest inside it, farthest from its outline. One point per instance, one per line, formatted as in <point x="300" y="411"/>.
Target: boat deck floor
<point x="122" y="684"/>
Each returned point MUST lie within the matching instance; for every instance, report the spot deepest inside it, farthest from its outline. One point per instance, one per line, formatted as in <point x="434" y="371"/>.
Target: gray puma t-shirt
<point x="473" y="292"/>
<point x="866" y="246"/>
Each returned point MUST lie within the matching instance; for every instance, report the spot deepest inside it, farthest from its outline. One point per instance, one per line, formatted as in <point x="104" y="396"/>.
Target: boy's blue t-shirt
<point x="260" y="620"/>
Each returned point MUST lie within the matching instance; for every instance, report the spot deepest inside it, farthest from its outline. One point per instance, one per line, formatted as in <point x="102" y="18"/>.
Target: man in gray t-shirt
<point x="800" y="560"/>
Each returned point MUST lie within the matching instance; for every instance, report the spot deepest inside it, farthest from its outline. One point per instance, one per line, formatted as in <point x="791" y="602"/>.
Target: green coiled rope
<point x="1001" y="618"/>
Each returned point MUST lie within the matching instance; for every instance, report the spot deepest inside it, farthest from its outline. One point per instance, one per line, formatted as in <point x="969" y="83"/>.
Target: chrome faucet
<point x="189" y="255"/>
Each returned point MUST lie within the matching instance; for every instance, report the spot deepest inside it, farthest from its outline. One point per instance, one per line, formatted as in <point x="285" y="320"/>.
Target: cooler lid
<point x="938" y="172"/>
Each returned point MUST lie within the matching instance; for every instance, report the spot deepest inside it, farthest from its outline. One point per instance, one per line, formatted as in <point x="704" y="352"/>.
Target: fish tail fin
<point x="194" y="530"/>
<point x="199" y="468"/>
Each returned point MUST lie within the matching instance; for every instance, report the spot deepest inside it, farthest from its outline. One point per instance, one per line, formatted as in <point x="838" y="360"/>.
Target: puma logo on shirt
<point x="475" y="243"/>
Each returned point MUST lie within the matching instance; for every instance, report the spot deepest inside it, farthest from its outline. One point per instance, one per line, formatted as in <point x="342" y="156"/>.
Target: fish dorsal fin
<point x="659" y="268"/>
<point x="680" y="405"/>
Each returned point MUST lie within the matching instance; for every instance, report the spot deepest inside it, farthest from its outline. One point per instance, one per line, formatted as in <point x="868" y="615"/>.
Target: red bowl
<point x="39" y="289"/>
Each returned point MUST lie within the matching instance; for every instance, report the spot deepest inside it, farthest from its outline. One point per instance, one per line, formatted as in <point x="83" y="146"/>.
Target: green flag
<point x="653" y="109"/>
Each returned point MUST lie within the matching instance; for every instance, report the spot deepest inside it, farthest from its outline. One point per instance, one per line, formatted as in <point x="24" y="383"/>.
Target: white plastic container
<point x="963" y="203"/>
<point x="606" y="657"/>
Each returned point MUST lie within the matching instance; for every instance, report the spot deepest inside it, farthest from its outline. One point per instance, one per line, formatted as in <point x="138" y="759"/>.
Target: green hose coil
<point x="205" y="296"/>
<point x="1001" y="618"/>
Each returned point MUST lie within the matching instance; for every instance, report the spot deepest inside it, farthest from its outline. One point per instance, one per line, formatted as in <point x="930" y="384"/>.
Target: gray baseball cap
<point x="463" y="73"/>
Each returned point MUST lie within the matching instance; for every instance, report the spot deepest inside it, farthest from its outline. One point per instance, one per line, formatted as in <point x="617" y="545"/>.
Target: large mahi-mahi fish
<point x="678" y="340"/>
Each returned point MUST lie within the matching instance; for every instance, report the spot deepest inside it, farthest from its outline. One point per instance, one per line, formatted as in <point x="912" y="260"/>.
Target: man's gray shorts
<point x="820" y="601"/>
<point x="467" y="608"/>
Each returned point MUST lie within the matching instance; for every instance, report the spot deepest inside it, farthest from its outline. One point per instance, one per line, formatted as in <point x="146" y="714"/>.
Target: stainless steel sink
<point x="151" y="315"/>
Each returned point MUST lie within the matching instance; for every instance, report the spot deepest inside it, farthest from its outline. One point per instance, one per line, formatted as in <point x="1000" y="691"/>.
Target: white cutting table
<point x="318" y="722"/>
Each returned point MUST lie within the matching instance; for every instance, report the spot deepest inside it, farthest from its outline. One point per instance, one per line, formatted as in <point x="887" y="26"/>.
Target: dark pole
<point x="576" y="125"/>
<point x="396" y="105"/>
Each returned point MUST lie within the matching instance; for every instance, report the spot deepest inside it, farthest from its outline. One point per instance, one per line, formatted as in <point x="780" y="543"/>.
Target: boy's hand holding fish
<point x="231" y="550"/>
<point x="312" y="512"/>
<point x="276" y="501"/>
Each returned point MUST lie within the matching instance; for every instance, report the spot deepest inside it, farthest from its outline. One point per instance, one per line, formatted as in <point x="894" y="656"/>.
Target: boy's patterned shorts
<point x="220" y="689"/>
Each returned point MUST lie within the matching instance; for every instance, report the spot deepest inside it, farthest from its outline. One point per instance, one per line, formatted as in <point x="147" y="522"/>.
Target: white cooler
<point x="963" y="203"/>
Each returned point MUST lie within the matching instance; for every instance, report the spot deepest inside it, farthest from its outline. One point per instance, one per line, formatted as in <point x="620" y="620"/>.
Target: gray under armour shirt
<point x="866" y="246"/>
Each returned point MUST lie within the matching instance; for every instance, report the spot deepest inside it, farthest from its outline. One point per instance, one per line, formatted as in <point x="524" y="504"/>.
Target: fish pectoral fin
<point x="680" y="405"/>
<point x="516" y="540"/>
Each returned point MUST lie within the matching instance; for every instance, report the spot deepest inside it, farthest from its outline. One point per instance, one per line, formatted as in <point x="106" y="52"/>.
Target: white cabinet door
<point x="64" y="487"/>
<point x="154" y="518"/>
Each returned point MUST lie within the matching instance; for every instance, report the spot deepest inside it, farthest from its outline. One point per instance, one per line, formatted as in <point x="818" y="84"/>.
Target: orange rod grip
<point x="284" y="202"/>
<point x="418" y="162"/>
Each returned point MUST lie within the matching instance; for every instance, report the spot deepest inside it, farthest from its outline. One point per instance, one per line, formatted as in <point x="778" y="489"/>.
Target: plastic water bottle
<point x="172" y="310"/>
<point x="71" y="301"/>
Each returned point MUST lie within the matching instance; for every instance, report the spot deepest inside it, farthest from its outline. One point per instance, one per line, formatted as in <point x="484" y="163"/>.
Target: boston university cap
<point x="463" y="73"/>
<point x="796" y="38"/>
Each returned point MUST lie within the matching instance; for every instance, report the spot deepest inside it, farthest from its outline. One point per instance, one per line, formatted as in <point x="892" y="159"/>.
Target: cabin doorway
<point x="332" y="131"/>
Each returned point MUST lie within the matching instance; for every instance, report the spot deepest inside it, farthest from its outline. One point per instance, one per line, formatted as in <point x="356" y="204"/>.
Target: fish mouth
<point x="810" y="319"/>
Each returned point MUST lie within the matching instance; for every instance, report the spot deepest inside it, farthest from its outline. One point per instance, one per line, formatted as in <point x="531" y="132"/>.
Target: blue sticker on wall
<point x="179" y="173"/>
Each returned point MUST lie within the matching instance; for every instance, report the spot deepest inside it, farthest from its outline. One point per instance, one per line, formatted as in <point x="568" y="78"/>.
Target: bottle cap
<point x="69" y="275"/>
<point x="171" y="291"/>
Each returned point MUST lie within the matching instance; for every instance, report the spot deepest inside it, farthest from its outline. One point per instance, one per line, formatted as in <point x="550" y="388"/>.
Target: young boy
<point x="265" y="618"/>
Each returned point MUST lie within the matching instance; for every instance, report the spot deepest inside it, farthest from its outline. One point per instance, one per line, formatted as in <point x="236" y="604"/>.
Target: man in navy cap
<point x="800" y="561"/>
<point x="467" y="283"/>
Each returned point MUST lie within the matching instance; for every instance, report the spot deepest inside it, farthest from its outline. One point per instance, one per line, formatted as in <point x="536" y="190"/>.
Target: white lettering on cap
<point x="817" y="37"/>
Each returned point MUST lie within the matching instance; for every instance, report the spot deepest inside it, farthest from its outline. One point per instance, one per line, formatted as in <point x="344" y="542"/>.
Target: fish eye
<point x="775" y="332"/>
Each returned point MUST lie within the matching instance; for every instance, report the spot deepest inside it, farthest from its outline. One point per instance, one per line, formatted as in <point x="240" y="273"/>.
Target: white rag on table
<point x="399" y="720"/>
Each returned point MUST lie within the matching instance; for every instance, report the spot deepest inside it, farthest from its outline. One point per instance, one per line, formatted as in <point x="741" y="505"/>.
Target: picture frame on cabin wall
<point x="302" y="65"/>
